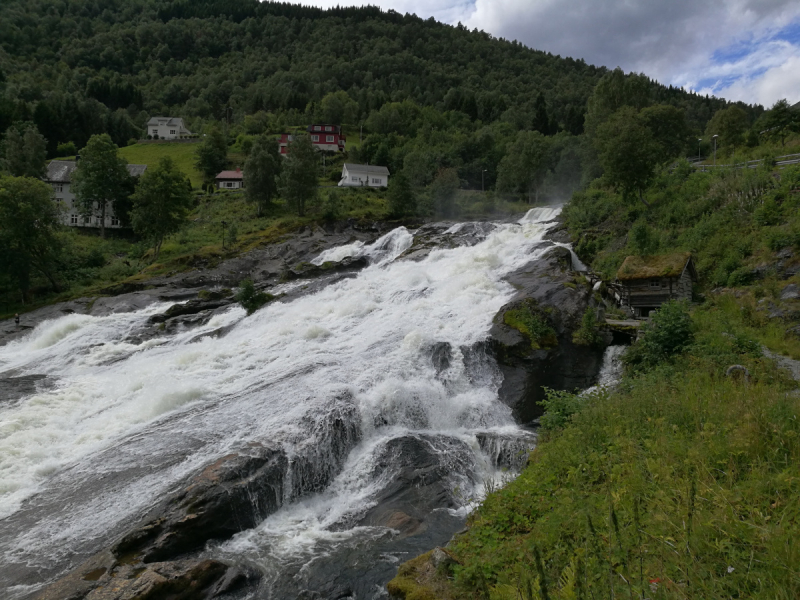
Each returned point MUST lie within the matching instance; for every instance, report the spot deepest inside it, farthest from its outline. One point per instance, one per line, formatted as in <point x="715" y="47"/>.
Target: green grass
<point x="182" y="153"/>
<point x="682" y="484"/>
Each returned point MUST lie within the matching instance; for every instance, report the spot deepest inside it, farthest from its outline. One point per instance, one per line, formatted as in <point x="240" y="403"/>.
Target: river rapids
<point x="115" y="425"/>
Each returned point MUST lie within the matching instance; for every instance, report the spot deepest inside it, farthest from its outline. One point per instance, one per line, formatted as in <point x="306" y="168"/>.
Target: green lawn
<point x="180" y="152"/>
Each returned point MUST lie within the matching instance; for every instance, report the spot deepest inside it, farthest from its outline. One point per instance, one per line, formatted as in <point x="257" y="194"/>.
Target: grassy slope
<point x="683" y="483"/>
<point x="149" y="154"/>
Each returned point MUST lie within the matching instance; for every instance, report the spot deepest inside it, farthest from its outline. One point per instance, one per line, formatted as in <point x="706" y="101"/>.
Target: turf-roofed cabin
<point x="646" y="282"/>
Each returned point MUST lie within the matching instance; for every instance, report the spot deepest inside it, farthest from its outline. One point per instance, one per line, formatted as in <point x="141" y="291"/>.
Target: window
<point x="314" y="138"/>
<point x="329" y="138"/>
<point x="155" y="131"/>
<point x="114" y="222"/>
<point x="172" y="132"/>
<point x="58" y="187"/>
<point x="355" y="178"/>
<point x="376" y="180"/>
<point x="86" y="220"/>
<point x="73" y="219"/>
<point x="59" y="200"/>
<point x="329" y="128"/>
<point x="317" y="128"/>
<point x="229" y="184"/>
<point x="655" y="284"/>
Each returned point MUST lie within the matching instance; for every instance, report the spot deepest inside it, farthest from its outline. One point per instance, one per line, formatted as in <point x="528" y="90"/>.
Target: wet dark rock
<point x="104" y="578"/>
<point x="549" y="284"/>
<point x="420" y="481"/>
<point x="308" y="270"/>
<point x="14" y="388"/>
<point x="192" y="307"/>
<point x="431" y="236"/>
<point x="233" y="494"/>
<point x="441" y="355"/>
<point x="507" y="451"/>
<point x="335" y="434"/>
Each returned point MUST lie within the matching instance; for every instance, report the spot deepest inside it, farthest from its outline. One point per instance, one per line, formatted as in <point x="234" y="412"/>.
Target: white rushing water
<point x="158" y="411"/>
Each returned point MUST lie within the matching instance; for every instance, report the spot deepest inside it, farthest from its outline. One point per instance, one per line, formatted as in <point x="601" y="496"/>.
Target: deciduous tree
<point x="211" y="155"/>
<point x="628" y="152"/>
<point x="300" y="174"/>
<point x="29" y="221"/>
<point x="261" y="174"/>
<point x="101" y="180"/>
<point x="161" y="203"/>
<point x="25" y="151"/>
<point x="402" y="202"/>
<point x="525" y="165"/>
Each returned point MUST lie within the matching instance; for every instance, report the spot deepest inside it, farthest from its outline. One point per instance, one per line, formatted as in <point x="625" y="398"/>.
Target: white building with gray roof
<point x="364" y="176"/>
<point x="59" y="176"/>
<point x="167" y="128"/>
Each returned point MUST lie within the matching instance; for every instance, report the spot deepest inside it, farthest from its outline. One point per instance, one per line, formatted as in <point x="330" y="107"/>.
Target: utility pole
<point x="698" y="147"/>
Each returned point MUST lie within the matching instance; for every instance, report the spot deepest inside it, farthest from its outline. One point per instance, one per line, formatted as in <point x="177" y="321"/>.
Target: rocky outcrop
<point x="548" y="287"/>
<point x="233" y="494"/>
<point x="158" y="559"/>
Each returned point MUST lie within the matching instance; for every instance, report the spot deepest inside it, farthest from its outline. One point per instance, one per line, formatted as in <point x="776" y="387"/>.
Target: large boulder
<point x="233" y="494"/>
<point x="550" y="292"/>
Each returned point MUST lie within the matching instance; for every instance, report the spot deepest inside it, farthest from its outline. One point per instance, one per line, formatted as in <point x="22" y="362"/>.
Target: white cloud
<point x="781" y="81"/>
<point x="674" y="41"/>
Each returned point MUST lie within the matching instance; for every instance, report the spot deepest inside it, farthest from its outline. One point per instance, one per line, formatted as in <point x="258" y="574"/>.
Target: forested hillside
<point x="81" y="67"/>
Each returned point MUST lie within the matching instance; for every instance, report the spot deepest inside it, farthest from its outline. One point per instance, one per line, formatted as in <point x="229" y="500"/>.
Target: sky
<point x="745" y="50"/>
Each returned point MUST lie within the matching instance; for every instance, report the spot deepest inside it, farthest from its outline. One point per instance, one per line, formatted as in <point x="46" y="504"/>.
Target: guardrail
<point x="780" y="161"/>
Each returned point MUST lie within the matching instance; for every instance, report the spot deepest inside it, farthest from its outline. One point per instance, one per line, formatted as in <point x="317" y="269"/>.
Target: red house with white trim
<point x="327" y="137"/>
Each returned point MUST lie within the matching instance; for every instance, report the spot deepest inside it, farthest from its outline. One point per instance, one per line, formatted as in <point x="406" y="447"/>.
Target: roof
<point x="795" y="106"/>
<point x="60" y="171"/>
<point x="169" y="121"/>
<point x="366" y="169"/>
<point x="334" y="128"/>
<point x="230" y="175"/>
<point x="661" y="265"/>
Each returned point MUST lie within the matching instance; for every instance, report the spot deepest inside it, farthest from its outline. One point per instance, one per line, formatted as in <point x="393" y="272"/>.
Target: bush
<point x="668" y="333"/>
<point x="251" y="300"/>
<point x="587" y="334"/>
<point x="132" y="142"/>
<point x="560" y="405"/>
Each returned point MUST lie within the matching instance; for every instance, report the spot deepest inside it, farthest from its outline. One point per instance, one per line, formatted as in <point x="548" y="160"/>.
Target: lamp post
<point x="715" y="149"/>
<point x="224" y="225"/>
<point x="482" y="172"/>
<point x="698" y="147"/>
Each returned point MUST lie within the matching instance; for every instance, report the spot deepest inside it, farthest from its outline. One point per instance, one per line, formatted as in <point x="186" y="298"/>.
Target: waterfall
<point x="336" y="378"/>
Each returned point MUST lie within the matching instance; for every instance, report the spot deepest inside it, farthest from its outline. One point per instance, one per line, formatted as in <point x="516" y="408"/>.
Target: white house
<point x="167" y="128"/>
<point x="59" y="176"/>
<point x="364" y="176"/>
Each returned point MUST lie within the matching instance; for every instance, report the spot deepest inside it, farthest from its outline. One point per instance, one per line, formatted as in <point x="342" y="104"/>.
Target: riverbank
<point x="683" y="482"/>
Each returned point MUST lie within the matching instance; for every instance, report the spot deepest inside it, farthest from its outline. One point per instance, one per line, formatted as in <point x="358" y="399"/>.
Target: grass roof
<point x="660" y="265"/>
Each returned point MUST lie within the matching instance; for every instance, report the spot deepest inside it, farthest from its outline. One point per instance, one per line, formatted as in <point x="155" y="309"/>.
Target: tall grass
<point x="682" y="484"/>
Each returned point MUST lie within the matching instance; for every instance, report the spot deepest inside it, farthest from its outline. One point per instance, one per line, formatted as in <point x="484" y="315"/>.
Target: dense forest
<point x="81" y="67"/>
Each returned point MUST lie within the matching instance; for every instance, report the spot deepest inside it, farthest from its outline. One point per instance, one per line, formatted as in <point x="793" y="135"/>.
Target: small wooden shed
<point x="645" y="282"/>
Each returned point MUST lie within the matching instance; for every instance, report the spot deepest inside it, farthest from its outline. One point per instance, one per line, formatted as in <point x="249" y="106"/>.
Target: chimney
<point x="238" y="170"/>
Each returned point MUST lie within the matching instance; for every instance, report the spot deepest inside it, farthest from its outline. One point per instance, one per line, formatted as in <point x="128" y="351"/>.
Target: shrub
<point x="668" y="333"/>
<point x="587" y="334"/>
<point x="560" y="405"/>
<point x="251" y="300"/>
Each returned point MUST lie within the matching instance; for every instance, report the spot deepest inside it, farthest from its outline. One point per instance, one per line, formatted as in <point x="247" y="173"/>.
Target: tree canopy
<point x="29" y="221"/>
<point x="161" y="203"/>
<point x="101" y="180"/>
